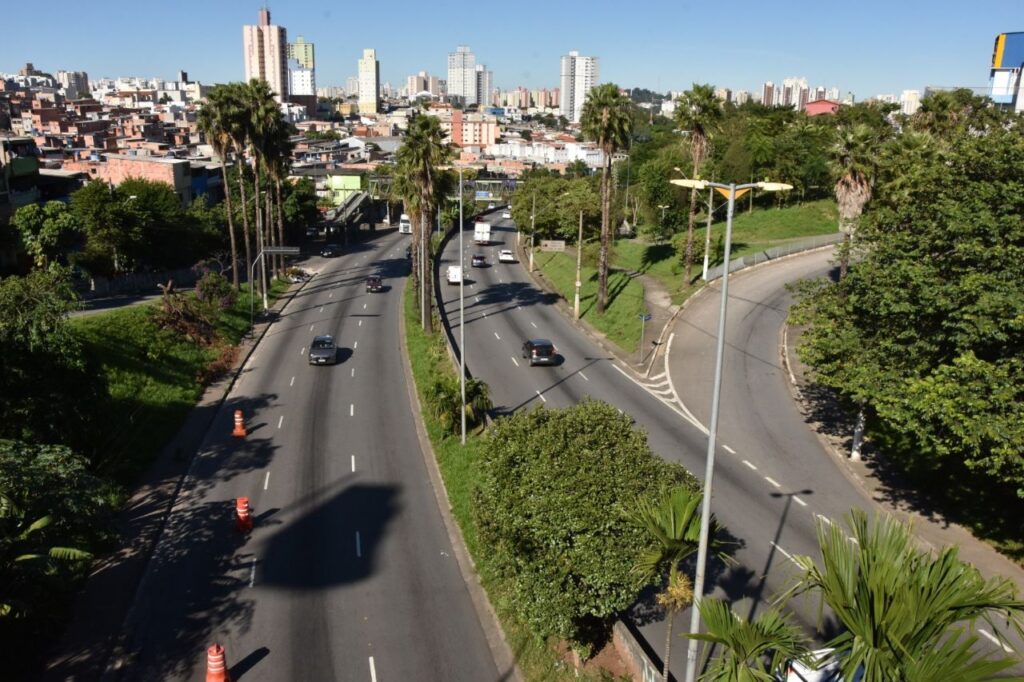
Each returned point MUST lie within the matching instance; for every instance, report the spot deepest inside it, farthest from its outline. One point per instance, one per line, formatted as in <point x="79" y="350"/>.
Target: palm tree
<point x="264" y="121"/>
<point x="699" y="113"/>
<point x="236" y="119"/>
<point x="417" y="164"/>
<point x="215" y="121"/>
<point x="853" y="156"/>
<point x="908" y="614"/>
<point x="750" y="650"/>
<point x="673" y="522"/>
<point x="606" y="120"/>
<point x="280" y="159"/>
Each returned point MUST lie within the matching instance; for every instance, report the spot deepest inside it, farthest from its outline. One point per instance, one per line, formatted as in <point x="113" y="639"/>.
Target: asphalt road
<point x="349" y="573"/>
<point x="767" y="498"/>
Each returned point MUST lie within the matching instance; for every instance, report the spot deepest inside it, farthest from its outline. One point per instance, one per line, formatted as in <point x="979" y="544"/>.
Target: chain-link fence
<point x="795" y="246"/>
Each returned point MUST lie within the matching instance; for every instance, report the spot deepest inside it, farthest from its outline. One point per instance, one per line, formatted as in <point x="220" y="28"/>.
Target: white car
<point x="454" y="274"/>
<point x="825" y="668"/>
<point x="506" y="256"/>
<point x="506" y="214"/>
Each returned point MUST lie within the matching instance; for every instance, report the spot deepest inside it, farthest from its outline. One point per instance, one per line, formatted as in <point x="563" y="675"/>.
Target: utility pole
<point x="579" y="264"/>
<point x="533" y="227"/>
<point x="707" y="232"/>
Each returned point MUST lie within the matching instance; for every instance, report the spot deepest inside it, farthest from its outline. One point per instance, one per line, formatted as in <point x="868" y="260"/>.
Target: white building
<point x="301" y="81"/>
<point x="482" y="85"/>
<point x="265" y="49"/>
<point x="75" y="83"/>
<point x="462" y="74"/>
<point x="352" y="86"/>
<point x="578" y="75"/>
<point x="369" y="82"/>
<point x="910" y="102"/>
<point x="546" y="152"/>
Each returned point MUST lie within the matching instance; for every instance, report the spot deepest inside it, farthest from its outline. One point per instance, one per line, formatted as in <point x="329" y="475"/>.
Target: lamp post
<point x="462" y="314"/>
<point x="579" y="264"/>
<point x="533" y="227"/>
<point x="731" y="191"/>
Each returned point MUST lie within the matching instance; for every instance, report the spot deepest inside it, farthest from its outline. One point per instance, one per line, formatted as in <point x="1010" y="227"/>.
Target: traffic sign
<point x="645" y="317"/>
<point x="281" y="250"/>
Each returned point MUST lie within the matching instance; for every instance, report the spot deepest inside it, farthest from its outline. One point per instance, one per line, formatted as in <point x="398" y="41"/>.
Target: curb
<point x="501" y="652"/>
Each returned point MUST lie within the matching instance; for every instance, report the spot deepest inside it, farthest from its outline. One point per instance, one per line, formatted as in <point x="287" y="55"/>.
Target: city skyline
<point x="947" y="45"/>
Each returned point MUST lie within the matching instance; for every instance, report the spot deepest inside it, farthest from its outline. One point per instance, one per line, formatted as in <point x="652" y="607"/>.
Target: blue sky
<point x="868" y="47"/>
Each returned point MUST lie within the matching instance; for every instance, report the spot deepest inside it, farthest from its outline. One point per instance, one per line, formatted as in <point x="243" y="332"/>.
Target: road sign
<point x="645" y="317"/>
<point x="281" y="250"/>
<point x="552" y="245"/>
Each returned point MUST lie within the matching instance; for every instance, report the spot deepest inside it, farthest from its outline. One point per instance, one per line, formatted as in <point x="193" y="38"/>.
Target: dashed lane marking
<point x="750" y="465"/>
<point x="280" y="421"/>
<point x="496" y="336"/>
<point x="303" y="351"/>
<point x="266" y="481"/>
<point x="534" y="326"/>
<point x="515" y="361"/>
<point x="784" y="552"/>
<point x="584" y="376"/>
<point x="311" y="327"/>
<point x="352" y="410"/>
<point x="799" y="501"/>
<point x="773" y="481"/>
<point x="292" y="382"/>
<point x="360" y="323"/>
<point x="353" y="462"/>
<point x="543" y="399"/>
<point x="373" y="671"/>
<point x="353" y="371"/>
<point x="728" y="449"/>
<point x="355" y="345"/>
<point x="989" y="636"/>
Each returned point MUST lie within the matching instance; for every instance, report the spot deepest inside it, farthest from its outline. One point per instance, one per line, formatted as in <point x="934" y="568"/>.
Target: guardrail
<point x="787" y="249"/>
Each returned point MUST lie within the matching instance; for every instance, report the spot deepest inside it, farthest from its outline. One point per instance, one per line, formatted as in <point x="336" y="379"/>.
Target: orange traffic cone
<point x="216" y="667"/>
<point x="239" y="431"/>
<point x="243" y="516"/>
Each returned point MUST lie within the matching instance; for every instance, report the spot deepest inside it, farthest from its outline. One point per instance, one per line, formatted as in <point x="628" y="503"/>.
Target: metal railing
<point x="787" y="249"/>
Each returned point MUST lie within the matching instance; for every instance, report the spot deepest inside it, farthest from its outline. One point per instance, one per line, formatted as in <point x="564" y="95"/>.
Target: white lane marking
<point x="485" y="314"/>
<point x="361" y="324"/>
<point x="772" y="481"/>
<point x="373" y="671"/>
<point x="787" y="554"/>
<point x="252" y="573"/>
<point x="266" y="481"/>
<point x="825" y="519"/>
<point x="750" y="465"/>
<point x="515" y="361"/>
<point x="353" y="371"/>
<point x="364" y="306"/>
<point x="519" y="307"/>
<point x="534" y="326"/>
<point x="359" y="546"/>
<point x="330" y="295"/>
<point x="355" y="345"/>
<point x="310" y="327"/>
<point x="584" y="376"/>
<point x="657" y="376"/>
<point x="679" y="405"/>
<point x="321" y="308"/>
<point x="292" y="382"/>
<point x="541" y="396"/>
<point x="988" y="635"/>
<point x="280" y="421"/>
<point x="728" y="449"/>
<point x="353" y="462"/>
<point x="496" y="336"/>
<point x="477" y="299"/>
<point x="302" y="351"/>
<point x="799" y="501"/>
<point x="352" y="410"/>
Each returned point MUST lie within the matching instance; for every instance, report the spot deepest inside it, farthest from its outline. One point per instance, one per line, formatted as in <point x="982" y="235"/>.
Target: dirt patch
<point x="606" y="662"/>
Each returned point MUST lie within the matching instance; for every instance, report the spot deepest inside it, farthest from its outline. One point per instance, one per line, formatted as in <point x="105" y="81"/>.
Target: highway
<point x="769" y="497"/>
<point x="349" y="573"/>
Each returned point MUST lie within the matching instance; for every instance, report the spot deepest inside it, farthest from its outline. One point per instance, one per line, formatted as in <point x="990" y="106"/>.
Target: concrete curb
<point x="504" y="658"/>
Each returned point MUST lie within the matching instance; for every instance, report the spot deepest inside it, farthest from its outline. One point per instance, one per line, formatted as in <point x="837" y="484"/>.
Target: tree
<point x="416" y="176"/>
<point x="215" y="121"/>
<point x="114" y="240"/>
<point x="46" y="231"/>
<point x="550" y="507"/>
<point x="699" y="112"/>
<point x="907" y="614"/>
<point x="852" y="167"/>
<point x="577" y="169"/>
<point x="607" y="121"/>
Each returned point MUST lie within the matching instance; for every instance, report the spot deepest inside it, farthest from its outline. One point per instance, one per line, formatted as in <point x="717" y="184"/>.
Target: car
<point x="824" y="667"/>
<point x="478" y="260"/>
<point x="323" y="351"/>
<point x="408" y="252"/>
<point x="490" y="206"/>
<point x="454" y="274"/>
<point x="330" y="251"/>
<point x="540" y="352"/>
<point x="506" y="214"/>
<point x="506" y="256"/>
<point x="374" y="284"/>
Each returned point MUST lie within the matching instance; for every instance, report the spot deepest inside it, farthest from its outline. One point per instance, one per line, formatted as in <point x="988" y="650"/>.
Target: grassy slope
<point x="458" y="469"/>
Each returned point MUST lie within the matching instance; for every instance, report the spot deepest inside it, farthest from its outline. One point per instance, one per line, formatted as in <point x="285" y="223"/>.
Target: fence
<point x="137" y="283"/>
<point x="789" y="248"/>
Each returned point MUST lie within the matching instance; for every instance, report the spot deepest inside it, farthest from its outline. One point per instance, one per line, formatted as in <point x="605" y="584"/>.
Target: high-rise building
<point x="352" y="86"/>
<point x="910" y="102"/>
<point x="369" y="82"/>
<point x="482" y="85"/>
<point x="301" y="67"/>
<point x="741" y="97"/>
<point x="724" y="94"/>
<point x="265" y="48"/>
<point x="462" y="75"/>
<point x="75" y="83"/>
<point x="768" y="94"/>
<point x="302" y="52"/>
<point x="578" y="76"/>
<point x="1005" y="72"/>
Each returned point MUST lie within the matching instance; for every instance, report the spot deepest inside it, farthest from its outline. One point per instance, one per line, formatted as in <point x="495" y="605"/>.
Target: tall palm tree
<point x="853" y="158"/>
<point x="699" y="112"/>
<point x="606" y="120"/>
<point x="673" y="523"/>
<point x="280" y="162"/>
<point x="417" y="163"/>
<point x="237" y="120"/>
<point x="215" y="121"/>
<point x="907" y="613"/>
<point x="750" y="651"/>
<point x="264" y="121"/>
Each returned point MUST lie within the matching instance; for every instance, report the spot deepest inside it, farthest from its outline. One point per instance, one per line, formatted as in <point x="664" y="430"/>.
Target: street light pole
<point x="462" y="315"/>
<point x="533" y="227"/>
<point x="252" y="292"/>
<point x="579" y="264"/>
<point x="707" y="233"/>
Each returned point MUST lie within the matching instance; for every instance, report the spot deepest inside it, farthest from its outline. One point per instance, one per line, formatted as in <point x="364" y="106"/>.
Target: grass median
<point x="429" y="358"/>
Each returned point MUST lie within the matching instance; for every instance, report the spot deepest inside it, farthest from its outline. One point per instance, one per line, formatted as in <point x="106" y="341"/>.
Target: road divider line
<point x="266" y="481"/>
<point x="543" y="399"/>
<point x="353" y="371"/>
<point x="252" y="572"/>
<point x="496" y="336"/>
<point x="784" y="552"/>
<point x="515" y="361"/>
<point x="750" y="465"/>
<point x="824" y="518"/>
<point x="534" y="326"/>
<point x="988" y="635"/>
<point x="321" y="308"/>
<point x="292" y="382"/>
<point x="353" y="462"/>
<point x="352" y="410"/>
<point x="583" y="375"/>
<point x="311" y="327"/>
<point x="280" y="421"/>
<point x="302" y="351"/>
<point x="359" y="547"/>
<point x="373" y="671"/>
<point x="360" y="323"/>
<point x="799" y="501"/>
<point x="355" y="345"/>
<point x="728" y="449"/>
<point x="772" y="481"/>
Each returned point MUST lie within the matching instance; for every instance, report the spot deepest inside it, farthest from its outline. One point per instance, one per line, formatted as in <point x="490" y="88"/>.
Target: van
<point x="404" y="224"/>
<point x="454" y="274"/>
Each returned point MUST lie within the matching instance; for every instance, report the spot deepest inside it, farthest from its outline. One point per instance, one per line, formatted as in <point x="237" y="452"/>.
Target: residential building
<point x="578" y="75"/>
<point x="741" y="97"/>
<point x="301" y="68"/>
<point x="910" y="102"/>
<point x="819" y="107"/>
<point x="116" y="168"/>
<point x="482" y="85"/>
<point x="352" y="86"/>
<point x="302" y="52"/>
<point x="369" y="82"/>
<point x="724" y="94"/>
<point x="768" y="94"/>
<point x="472" y="129"/>
<point x="462" y="75"/>
<point x="75" y="84"/>
<point x="265" y="48"/>
<point x="1005" y="71"/>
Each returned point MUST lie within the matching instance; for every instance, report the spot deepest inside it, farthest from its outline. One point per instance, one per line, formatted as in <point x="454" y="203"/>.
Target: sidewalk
<point x="88" y="645"/>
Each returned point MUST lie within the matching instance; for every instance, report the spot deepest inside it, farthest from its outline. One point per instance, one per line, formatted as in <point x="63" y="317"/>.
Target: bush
<point x="551" y="506"/>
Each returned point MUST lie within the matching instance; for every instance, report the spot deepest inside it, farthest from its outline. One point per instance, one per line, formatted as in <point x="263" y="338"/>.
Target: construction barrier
<point x="239" y="431"/>
<point x="216" y="666"/>
<point x="243" y="515"/>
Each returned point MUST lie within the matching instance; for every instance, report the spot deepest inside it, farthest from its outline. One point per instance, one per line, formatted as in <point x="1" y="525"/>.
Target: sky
<point x="868" y="47"/>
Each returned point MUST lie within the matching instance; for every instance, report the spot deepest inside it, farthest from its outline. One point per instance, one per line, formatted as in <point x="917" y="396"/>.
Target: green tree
<point x="46" y="231"/>
<point x="577" y="169"/>
<point x="551" y="506"/>
<point x="606" y="120"/>
<point x="215" y="122"/>
<point x="853" y="158"/>
<point x="114" y="240"/>
<point x="699" y="112"/>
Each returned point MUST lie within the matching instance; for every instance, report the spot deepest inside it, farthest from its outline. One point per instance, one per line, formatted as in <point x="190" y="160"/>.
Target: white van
<point x="404" y="224"/>
<point x="454" y="274"/>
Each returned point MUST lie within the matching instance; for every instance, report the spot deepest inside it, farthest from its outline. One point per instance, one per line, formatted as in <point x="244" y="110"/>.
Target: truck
<point x="454" y="274"/>
<point x="482" y="233"/>
<point x="404" y="224"/>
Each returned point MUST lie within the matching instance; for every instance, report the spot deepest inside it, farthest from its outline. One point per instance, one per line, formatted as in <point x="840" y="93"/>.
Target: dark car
<point x="330" y="251"/>
<point x="408" y="252"/>
<point x="323" y="351"/>
<point x="540" y="352"/>
<point x="478" y="260"/>
<point x="374" y="284"/>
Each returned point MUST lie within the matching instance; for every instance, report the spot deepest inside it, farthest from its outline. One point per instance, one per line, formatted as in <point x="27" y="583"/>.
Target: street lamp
<point x="462" y="307"/>
<point x="731" y="191"/>
<point x="579" y="263"/>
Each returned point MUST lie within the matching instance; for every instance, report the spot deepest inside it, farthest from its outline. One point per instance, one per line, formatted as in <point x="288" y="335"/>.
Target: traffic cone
<point x="216" y="667"/>
<point x="243" y="515"/>
<point x="239" y="431"/>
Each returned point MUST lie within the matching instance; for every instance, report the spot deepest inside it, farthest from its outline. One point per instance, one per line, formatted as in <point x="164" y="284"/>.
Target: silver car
<point x="323" y="351"/>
